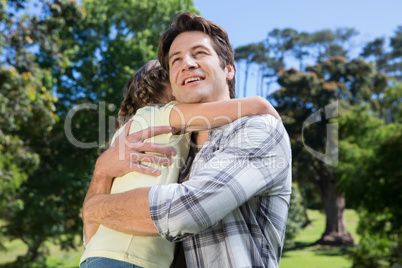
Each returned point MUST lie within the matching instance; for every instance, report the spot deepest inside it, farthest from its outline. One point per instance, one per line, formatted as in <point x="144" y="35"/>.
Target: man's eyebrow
<point x="174" y="54"/>
<point x="193" y="48"/>
<point x="199" y="46"/>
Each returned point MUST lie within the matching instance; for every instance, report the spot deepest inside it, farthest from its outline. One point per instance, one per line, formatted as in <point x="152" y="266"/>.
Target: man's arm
<point x="178" y="210"/>
<point x="254" y="159"/>
<point x="124" y="156"/>
<point x="126" y="212"/>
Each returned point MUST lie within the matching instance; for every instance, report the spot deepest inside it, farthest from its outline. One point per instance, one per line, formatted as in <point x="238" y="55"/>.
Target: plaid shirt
<point x="232" y="211"/>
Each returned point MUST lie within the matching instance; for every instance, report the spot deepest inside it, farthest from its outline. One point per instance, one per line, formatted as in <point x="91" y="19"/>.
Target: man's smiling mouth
<point x="192" y="79"/>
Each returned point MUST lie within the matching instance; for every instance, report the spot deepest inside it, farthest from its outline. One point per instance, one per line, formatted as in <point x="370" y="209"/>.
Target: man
<point x="231" y="210"/>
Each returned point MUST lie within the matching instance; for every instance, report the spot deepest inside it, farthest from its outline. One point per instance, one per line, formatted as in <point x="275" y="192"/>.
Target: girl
<point x="145" y="91"/>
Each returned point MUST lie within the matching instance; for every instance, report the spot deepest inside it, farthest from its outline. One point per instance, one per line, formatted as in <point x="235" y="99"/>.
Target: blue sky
<point x="249" y="21"/>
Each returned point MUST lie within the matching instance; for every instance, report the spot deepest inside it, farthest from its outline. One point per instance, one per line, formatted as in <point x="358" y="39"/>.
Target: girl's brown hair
<point x="146" y="87"/>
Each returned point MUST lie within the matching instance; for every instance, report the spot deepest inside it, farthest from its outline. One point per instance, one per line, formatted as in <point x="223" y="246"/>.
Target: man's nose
<point x="189" y="63"/>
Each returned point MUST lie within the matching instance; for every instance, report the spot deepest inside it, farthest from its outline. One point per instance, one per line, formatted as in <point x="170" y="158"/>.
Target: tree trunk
<point x="307" y="222"/>
<point x="335" y="233"/>
<point x="262" y="94"/>
<point x="245" y="80"/>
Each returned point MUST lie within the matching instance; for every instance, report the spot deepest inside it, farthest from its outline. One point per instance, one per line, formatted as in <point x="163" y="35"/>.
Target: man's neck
<point x="200" y="137"/>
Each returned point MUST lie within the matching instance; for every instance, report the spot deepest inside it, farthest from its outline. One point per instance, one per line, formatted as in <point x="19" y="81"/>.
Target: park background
<point x="303" y="56"/>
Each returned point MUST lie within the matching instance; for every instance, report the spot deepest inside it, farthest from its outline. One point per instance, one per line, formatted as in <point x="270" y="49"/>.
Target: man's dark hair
<point x="187" y="22"/>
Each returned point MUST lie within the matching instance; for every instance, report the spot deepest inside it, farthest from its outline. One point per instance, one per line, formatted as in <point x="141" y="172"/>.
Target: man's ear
<point x="230" y="71"/>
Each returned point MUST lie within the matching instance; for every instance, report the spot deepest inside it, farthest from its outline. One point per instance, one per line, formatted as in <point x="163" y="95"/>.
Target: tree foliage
<point x="295" y="217"/>
<point x="26" y="120"/>
<point x="388" y="60"/>
<point x="249" y="54"/>
<point x="306" y="95"/>
<point x="370" y="175"/>
<point x="81" y="54"/>
<point x="30" y="122"/>
<point x="71" y="54"/>
<point x="284" y="45"/>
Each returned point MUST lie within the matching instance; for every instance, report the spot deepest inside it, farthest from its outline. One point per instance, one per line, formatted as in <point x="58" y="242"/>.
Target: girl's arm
<point x="201" y="116"/>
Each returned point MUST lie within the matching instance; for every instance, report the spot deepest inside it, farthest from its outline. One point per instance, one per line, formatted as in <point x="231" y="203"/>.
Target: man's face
<point x="196" y="74"/>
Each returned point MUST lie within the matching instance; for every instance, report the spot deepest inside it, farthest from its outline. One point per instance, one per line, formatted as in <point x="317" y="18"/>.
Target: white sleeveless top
<point x="145" y="251"/>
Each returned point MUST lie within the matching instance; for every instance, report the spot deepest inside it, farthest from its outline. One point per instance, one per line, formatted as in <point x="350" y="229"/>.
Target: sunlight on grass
<point x="302" y="256"/>
<point x="14" y="249"/>
<point x="58" y="257"/>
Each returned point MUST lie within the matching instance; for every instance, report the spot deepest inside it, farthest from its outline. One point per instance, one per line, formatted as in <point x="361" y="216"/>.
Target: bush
<point x="380" y="243"/>
<point x="295" y="218"/>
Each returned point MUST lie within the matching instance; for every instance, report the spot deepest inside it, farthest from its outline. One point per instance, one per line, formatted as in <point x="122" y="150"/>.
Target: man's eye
<point x="174" y="60"/>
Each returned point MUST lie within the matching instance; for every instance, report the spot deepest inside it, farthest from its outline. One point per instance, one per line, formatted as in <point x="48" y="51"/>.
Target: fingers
<point x="123" y="134"/>
<point x="157" y="148"/>
<point x="140" y="147"/>
<point x="137" y="158"/>
<point x="150" y="158"/>
<point x="131" y="150"/>
<point x="135" y="141"/>
<point x="127" y="127"/>
<point x="145" y="170"/>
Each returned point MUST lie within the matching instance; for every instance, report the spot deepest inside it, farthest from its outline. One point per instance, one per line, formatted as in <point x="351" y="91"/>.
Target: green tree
<point x="249" y="54"/>
<point x="88" y="53"/>
<point x="322" y="42"/>
<point x="280" y="43"/>
<point x="30" y="120"/>
<point x="300" y="50"/>
<point x="325" y="44"/>
<point x="304" y="96"/>
<point x="387" y="59"/>
<point x="369" y="173"/>
<point x="344" y="38"/>
<point x="283" y="45"/>
<point x="26" y="120"/>
<point x="295" y="218"/>
<point x="375" y="50"/>
<point x="395" y="64"/>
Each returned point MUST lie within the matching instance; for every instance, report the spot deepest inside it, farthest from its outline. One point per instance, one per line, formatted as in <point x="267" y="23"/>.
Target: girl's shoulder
<point x="160" y="108"/>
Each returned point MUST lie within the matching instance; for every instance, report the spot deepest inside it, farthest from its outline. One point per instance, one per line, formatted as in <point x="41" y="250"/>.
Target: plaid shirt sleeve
<point x="251" y="157"/>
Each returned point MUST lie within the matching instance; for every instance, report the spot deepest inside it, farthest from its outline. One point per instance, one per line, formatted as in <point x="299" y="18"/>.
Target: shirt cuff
<point x="159" y="205"/>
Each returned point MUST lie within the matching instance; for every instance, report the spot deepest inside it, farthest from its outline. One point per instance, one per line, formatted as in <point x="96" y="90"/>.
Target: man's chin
<point x="193" y="99"/>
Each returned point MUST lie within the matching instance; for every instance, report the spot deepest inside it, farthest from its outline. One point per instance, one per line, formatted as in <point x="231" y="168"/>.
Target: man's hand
<point x="123" y="156"/>
<point x="90" y="228"/>
<point x="128" y="151"/>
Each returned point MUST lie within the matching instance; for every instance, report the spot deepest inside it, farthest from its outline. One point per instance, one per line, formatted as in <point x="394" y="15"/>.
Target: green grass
<point x="302" y="255"/>
<point x="306" y="255"/>
<point x="57" y="257"/>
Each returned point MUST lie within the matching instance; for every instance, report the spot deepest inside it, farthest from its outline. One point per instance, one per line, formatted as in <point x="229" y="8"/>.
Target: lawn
<point x="305" y="255"/>
<point x="302" y="255"/>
